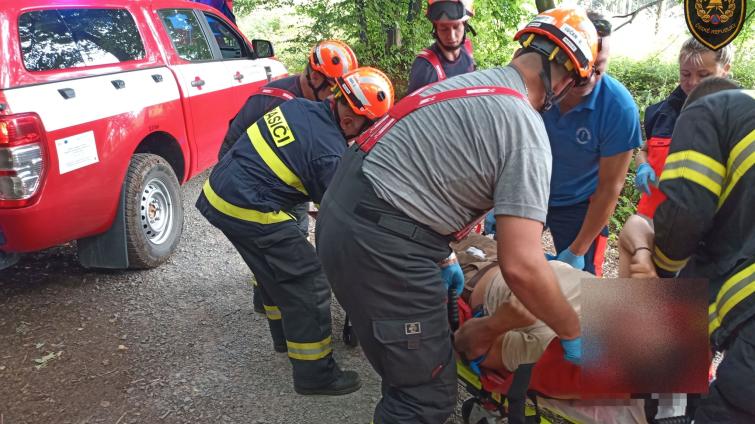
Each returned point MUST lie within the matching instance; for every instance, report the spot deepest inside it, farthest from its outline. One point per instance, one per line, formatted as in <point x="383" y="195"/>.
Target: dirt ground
<point x="177" y="344"/>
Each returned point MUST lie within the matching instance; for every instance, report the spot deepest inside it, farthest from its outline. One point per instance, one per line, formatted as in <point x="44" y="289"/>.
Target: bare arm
<point x="611" y="175"/>
<point x="523" y="264"/>
<point x="636" y="242"/>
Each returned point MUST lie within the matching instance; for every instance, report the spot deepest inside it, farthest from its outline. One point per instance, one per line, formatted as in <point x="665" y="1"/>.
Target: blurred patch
<point x="644" y="336"/>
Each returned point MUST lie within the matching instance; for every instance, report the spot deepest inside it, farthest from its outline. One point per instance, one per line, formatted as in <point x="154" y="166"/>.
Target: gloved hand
<point x="644" y="177"/>
<point x="490" y="223"/>
<point x="570" y="258"/>
<point x="452" y="274"/>
<point x="572" y="350"/>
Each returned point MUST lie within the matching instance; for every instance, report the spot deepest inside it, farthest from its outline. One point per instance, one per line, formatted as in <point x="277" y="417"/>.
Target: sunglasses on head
<point x="452" y="11"/>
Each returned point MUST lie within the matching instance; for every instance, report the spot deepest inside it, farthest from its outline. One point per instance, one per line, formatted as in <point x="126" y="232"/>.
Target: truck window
<point x="230" y="44"/>
<point x="73" y="38"/>
<point x="186" y="34"/>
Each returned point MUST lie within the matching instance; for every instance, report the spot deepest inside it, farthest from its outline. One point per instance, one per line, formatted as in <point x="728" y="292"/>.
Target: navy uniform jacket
<point x="287" y="157"/>
<point x="256" y="106"/>
<point x="423" y="73"/>
<point x="706" y="226"/>
<point x="660" y="117"/>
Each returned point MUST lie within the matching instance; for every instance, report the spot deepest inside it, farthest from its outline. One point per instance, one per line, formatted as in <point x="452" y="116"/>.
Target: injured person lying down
<point x="508" y="335"/>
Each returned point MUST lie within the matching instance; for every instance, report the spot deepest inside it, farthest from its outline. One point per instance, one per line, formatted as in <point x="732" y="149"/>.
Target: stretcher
<point x="490" y="389"/>
<point x="523" y="397"/>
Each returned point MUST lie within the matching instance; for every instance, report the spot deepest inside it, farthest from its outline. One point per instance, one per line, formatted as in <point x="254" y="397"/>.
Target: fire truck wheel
<point x="153" y="211"/>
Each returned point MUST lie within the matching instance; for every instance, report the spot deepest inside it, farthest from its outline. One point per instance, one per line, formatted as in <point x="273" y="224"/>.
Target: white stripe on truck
<point x="96" y="97"/>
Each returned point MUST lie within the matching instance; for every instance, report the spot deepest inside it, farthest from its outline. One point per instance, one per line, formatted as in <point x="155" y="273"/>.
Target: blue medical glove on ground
<point x="490" y="223"/>
<point x="572" y="350"/>
<point x="453" y="277"/>
<point x="570" y="258"/>
<point x="644" y="177"/>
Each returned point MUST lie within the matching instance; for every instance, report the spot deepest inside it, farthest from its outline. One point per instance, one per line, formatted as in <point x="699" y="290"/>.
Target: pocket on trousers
<point x="415" y="350"/>
<point x="289" y="255"/>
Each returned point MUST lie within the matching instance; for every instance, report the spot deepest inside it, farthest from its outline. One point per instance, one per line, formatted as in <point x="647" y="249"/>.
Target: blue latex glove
<point x="453" y="277"/>
<point x="570" y="258"/>
<point x="572" y="350"/>
<point x="644" y="177"/>
<point x="490" y="223"/>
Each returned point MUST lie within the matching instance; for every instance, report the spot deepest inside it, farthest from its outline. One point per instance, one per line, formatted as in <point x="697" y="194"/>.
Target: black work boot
<point x="257" y="301"/>
<point x="347" y="382"/>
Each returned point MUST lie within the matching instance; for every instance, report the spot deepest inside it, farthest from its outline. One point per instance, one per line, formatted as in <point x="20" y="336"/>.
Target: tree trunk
<point x="658" y="15"/>
<point x="361" y="15"/>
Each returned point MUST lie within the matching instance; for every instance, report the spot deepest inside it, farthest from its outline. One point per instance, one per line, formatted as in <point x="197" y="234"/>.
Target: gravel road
<point x="177" y="344"/>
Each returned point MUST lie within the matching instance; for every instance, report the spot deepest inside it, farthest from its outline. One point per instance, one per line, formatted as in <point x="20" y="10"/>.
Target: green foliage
<point x="649" y="80"/>
<point x="365" y="25"/>
<point x="626" y="205"/>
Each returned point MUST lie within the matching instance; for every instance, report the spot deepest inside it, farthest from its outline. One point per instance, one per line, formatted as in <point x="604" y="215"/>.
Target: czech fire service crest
<point x="715" y="23"/>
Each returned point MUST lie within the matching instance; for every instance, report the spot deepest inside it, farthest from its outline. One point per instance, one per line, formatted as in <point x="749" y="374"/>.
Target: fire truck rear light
<point x="22" y="158"/>
<point x="20" y="171"/>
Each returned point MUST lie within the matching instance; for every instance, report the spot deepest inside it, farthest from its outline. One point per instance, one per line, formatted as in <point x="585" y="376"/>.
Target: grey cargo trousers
<point x="383" y="269"/>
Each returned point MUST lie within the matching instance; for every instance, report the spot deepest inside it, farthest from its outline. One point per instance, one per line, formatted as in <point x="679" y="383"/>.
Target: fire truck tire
<point x="153" y="211"/>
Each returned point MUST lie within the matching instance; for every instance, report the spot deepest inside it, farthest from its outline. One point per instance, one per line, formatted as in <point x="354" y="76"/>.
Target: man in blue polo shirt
<point x="592" y="133"/>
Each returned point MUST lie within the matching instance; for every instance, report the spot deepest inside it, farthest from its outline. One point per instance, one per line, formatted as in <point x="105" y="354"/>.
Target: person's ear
<point x="726" y="69"/>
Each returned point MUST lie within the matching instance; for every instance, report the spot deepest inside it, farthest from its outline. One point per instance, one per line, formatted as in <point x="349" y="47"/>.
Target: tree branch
<point x="633" y="14"/>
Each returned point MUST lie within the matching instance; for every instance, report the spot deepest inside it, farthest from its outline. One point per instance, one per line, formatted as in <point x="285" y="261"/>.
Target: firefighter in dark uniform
<point x="328" y="60"/>
<point x="707" y="227"/>
<point x="451" y="53"/>
<point x="286" y="158"/>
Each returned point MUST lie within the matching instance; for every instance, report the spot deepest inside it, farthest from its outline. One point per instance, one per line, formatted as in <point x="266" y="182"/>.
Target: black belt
<point x="402" y="226"/>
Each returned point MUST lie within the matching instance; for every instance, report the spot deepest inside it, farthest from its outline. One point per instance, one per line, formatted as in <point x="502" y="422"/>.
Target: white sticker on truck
<point x="76" y="151"/>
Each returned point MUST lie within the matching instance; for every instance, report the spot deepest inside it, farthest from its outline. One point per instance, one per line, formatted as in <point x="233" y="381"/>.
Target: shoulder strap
<point x="416" y="101"/>
<point x="468" y="45"/>
<point x="276" y="92"/>
<point x="434" y="60"/>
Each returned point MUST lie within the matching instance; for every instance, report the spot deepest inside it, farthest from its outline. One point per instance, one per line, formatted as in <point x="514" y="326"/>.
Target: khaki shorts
<point x="526" y="345"/>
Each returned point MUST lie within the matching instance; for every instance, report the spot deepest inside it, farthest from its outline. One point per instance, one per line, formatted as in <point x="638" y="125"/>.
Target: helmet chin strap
<point x="315" y="90"/>
<point x="551" y="98"/>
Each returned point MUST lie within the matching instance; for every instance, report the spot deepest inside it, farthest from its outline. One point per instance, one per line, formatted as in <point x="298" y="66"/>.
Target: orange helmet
<point x="449" y="10"/>
<point x="367" y="90"/>
<point x="565" y="35"/>
<point x="332" y="58"/>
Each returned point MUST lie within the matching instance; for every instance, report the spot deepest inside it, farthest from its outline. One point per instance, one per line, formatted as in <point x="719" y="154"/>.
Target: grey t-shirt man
<point x="445" y="164"/>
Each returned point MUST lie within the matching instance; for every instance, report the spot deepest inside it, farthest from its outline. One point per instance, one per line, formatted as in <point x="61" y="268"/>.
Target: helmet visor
<point x="446" y="10"/>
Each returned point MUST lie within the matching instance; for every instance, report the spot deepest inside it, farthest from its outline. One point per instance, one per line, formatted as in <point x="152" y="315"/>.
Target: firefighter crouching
<point x="286" y="158"/>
